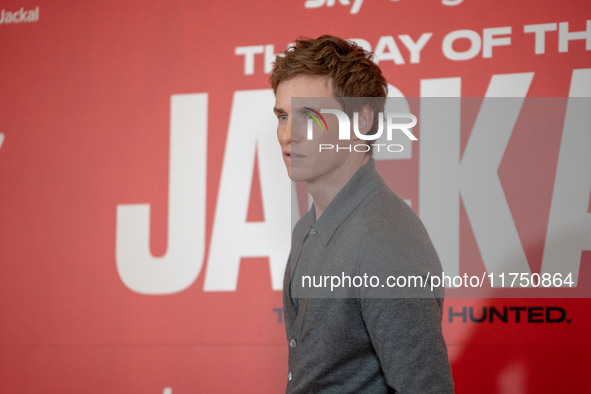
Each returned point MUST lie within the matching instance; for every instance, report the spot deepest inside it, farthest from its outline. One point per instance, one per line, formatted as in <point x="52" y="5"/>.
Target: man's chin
<point x="295" y="176"/>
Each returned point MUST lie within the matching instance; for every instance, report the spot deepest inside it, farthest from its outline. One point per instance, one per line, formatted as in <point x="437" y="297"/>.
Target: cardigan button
<point x="293" y="343"/>
<point x="289" y="376"/>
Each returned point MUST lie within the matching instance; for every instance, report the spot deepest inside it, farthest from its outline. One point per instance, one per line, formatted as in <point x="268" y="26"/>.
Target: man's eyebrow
<point x="278" y="110"/>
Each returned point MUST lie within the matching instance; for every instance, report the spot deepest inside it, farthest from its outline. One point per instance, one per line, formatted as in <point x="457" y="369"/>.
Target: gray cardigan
<point x="364" y="339"/>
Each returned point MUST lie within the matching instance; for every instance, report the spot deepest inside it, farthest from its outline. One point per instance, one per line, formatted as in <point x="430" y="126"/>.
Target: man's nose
<point x="284" y="133"/>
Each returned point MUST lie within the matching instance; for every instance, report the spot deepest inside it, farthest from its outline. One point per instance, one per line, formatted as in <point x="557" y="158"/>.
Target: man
<point x="362" y="340"/>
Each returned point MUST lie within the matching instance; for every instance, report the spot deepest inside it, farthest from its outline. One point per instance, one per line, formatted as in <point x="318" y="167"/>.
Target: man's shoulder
<point x="383" y="209"/>
<point x="393" y="232"/>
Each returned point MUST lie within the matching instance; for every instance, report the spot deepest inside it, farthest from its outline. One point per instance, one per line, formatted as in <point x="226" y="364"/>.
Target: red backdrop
<point x="90" y="94"/>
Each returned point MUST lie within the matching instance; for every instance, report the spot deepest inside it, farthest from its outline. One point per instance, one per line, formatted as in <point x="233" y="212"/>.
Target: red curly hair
<point x="346" y="64"/>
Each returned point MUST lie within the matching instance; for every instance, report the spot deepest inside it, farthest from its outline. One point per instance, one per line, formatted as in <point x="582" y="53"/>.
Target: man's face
<point x="302" y="158"/>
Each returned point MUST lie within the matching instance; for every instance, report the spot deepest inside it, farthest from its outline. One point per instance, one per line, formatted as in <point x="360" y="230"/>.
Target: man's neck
<point x="325" y="191"/>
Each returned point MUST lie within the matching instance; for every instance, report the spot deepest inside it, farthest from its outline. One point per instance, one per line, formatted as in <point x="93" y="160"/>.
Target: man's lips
<point x="292" y="155"/>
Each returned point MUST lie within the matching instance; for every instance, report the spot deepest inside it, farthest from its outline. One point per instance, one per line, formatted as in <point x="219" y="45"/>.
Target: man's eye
<point x="282" y="117"/>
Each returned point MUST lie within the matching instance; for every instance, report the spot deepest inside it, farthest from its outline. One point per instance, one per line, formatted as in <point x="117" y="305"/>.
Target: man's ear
<point x="366" y="115"/>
